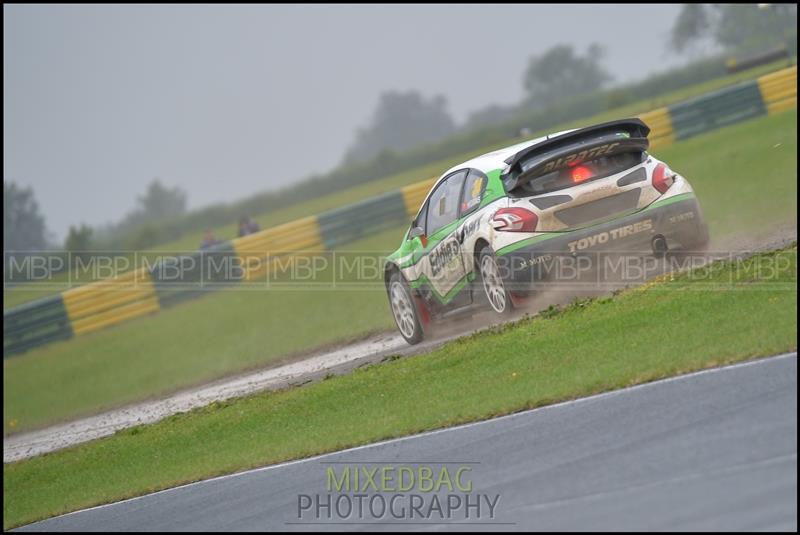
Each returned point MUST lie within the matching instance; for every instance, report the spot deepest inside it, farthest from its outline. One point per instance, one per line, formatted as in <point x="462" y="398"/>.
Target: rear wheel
<point x="493" y="286"/>
<point x="405" y="313"/>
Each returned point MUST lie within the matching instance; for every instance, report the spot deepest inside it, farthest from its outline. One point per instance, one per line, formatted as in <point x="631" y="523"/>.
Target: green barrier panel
<point x="355" y="221"/>
<point x="24" y="345"/>
<point x="186" y="277"/>
<point x="718" y="109"/>
<point x="35" y="324"/>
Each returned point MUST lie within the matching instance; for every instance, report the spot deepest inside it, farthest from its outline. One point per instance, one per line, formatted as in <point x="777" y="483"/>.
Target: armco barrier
<point x="779" y="90"/>
<point x="187" y="276"/>
<point x="34" y="324"/>
<point x="108" y="302"/>
<point x="253" y="250"/>
<point x="660" y="123"/>
<point x="414" y="194"/>
<point x="369" y="216"/>
<point x="101" y="304"/>
<point x="724" y="107"/>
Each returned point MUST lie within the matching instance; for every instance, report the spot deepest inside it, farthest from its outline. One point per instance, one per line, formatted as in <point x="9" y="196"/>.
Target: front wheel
<point x="493" y="286"/>
<point x="405" y="313"/>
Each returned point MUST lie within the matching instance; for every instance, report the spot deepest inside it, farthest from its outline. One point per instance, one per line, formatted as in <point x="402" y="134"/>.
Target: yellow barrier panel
<point x="414" y="194"/>
<point x="106" y="302"/>
<point x="779" y="90"/>
<point x="119" y="297"/>
<point x="660" y="124"/>
<point x="783" y="105"/>
<point x="300" y="235"/>
<point x="778" y="76"/>
<point x="306" y="229"/>
<point x="77" y="299"/>
<point x="271" y="263"/>
<point x="116" y="315"/>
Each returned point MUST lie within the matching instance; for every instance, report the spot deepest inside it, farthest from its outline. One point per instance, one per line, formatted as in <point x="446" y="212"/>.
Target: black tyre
<point x="494" y="288"/>
<point x="404" y="310"/>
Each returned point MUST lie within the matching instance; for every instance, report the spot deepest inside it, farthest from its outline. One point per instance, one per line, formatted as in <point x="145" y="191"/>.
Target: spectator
<point x="252" y="225"/>
<point x="209" y="240"/>
<point x="247" y="226"/>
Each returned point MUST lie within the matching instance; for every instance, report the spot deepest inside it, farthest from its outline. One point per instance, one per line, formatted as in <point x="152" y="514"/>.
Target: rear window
<point x="585" y="172"/>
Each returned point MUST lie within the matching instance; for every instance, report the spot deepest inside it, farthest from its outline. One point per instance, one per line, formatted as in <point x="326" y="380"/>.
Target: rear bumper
<point x="554" y="256"/>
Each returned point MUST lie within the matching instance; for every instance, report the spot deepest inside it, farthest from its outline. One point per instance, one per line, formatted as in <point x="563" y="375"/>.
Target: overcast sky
<point x="225" y="101"/>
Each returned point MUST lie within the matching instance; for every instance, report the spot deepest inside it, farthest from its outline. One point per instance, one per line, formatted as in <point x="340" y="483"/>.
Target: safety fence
<point x="147" y="289"/>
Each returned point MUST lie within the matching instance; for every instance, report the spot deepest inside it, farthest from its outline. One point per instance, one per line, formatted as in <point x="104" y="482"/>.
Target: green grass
<point x="745" y="184"/>
<point x="189" y="242"/>
<point x="745" y="175"/>
<point x="732" y="312"/>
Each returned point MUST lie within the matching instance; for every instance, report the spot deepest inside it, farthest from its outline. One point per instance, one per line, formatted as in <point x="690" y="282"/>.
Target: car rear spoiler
<point x="572" y="148"/>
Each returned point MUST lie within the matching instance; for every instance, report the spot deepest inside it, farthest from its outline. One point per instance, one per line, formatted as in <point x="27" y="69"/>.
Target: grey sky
<point x="225" y="101"/>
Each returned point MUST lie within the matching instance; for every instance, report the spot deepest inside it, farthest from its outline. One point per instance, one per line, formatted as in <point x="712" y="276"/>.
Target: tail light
<point x="580" y="174"/>
<point x="515" y="220"/>
<point x="663" y="178"/>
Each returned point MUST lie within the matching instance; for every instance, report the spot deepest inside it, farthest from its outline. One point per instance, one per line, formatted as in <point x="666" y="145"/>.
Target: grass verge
<point x="708" y="317"/>
<point x="745" y="177"/>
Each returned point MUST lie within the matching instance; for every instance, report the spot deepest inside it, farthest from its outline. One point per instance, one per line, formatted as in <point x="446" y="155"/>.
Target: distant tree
<point x="754" y="27"/>
<point x="401" y="121"/>
<point x="78" y="241"/>
<point x="691" y="28"/>
<point x="160" y="202"/>
<point x="737" y="28"/>
<point x="23" y="225"/>
<point x="490" y="115"/>
<point x="561" y="73"/>
<point x="144" y="237"/>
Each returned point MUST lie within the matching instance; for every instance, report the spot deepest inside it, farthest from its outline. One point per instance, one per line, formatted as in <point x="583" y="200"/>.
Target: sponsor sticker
<point x="614" y="234"/>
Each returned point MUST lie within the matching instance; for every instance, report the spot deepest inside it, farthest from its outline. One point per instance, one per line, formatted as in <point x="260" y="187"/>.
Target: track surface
<point x="711" y="450"/>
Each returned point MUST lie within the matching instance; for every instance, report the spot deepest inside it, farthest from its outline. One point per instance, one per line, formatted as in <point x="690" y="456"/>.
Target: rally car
<point x="491" y="229"/>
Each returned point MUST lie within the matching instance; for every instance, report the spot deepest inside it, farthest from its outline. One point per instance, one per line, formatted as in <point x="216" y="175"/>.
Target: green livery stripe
<point x="441" y="234"/>
<point x="526" y="242"/>
<point x="494" y="188"/>
<point x="454" y="291"/>
<point x="666" y="202"/>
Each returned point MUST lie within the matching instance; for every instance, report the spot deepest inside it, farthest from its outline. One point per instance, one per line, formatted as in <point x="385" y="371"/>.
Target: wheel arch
<point x="480" y="243"/>
<point x="390" y="269"/>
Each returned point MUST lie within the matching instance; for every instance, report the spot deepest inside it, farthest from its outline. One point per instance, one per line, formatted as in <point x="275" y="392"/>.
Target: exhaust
<point x="659" y="245"/>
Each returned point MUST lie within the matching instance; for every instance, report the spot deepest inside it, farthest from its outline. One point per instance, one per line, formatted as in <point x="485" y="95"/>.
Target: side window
<point x="474" y="186"/>
<point x="443" y="203"/>
<point x="421" y="218"/>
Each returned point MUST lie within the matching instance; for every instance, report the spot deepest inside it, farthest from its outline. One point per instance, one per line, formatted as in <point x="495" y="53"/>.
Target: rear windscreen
<point x="579" y="174"/>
